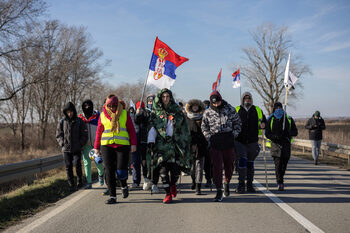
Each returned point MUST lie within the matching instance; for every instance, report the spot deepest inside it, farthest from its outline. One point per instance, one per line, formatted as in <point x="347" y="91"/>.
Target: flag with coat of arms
<point x="163" y="64"/>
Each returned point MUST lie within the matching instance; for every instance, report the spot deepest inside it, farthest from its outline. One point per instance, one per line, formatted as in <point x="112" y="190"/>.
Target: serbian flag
<point x="236" y="82"/>
<point x="216" y="84"/>
<point x="163" y="64"/>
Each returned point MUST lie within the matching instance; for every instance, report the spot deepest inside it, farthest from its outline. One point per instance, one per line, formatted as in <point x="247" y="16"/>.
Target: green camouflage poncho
<point x="169" y="149"/>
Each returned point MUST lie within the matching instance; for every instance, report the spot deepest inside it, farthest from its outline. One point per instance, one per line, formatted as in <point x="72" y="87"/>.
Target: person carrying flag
<point x="168" y="142"/>
<point x="221" y="125"/>
<point x="280" y="137"/>
<point x="246" y="145"/>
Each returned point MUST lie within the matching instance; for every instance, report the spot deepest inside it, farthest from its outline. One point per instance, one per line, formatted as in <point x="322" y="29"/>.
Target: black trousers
<point x="70" y="160"/>
<point x="169" y="180"/>
<point x="280" y="167"/>
<point x="142" y="147"/>
<point x="208" y="167"/>
<point x="115" y="159"/>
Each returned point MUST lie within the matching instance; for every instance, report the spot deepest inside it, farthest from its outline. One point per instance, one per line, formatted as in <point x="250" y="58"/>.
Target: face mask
<point x="246" y="104"/>
<point x="149" y="106"/>
<point x="278" y="113"/>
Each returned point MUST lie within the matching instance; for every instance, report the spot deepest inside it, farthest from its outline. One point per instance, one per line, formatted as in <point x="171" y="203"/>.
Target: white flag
<point x="289" y="78"/>
<point x="131" y="103"/>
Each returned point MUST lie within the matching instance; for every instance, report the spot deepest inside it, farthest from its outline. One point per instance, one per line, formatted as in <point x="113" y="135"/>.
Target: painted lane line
<point x="54" y="212"/>
<point x="289" y="210"/>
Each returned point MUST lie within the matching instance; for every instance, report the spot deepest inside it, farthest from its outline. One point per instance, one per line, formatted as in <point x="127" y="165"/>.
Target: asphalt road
<point x="317" y="199"/>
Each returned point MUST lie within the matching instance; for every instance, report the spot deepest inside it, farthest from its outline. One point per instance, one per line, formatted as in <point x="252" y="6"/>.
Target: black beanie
<point x="276" y="105"/>
<point x="215" y="97"/>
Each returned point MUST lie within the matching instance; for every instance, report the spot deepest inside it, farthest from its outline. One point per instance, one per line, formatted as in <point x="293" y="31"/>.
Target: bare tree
<point x="266" y="63"/>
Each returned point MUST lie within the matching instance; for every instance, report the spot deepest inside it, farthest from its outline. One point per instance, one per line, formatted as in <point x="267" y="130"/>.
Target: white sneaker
<point x="155" y="189"/>
<point x="147" y="184"/>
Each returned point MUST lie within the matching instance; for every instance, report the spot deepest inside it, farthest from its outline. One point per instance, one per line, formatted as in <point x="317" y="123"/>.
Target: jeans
<point x="316" y="146"/>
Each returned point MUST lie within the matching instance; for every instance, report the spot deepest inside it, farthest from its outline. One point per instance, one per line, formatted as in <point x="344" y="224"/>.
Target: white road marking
<point x="289" y="210"/>
<point x="54" y="212"/>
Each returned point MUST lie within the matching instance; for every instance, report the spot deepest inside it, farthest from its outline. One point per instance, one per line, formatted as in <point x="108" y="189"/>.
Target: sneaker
<point x="250" y="187"/>
<point x="134" y="185"/>
<point x="88" y="186"/>
<point x="105" y="193"/>
<point x="240" y="188"/>
<point x="198" y="189"/>
<point x="280" y="187"/>
<point x="155" y="189"/>
<point x="316" y="162"/>
<point x="101" y="180"/>
<point x="173" y="190"/>
<point x="125" y="192"/>
<point x="226" y="189"/>
<point x="147" y="185"/>
<point x="112" y="200"/>
<point x="218" y="197"/>
<point x="168" y="198"/>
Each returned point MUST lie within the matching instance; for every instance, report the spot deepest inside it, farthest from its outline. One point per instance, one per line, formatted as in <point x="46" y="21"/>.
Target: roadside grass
<point x="28" y="200"/>
<point x="328" y="160"/>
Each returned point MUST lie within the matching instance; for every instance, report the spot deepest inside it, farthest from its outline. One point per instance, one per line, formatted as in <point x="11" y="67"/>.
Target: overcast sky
<point x="212" y="34"/>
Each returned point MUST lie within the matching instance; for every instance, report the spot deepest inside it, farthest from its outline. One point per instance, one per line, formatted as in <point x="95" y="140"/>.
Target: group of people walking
<point x="165" y="139"/>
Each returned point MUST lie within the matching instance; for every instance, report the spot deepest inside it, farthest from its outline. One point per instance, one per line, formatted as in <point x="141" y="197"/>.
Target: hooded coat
<point x="315" y="127"/>
<point x="173" y="148"/>
<point x="71" y="133"/>
<point x="250" y="122"/>
<point x="194" y="123"/>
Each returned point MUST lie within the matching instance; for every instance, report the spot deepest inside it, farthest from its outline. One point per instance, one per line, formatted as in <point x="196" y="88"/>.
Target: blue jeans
<point x="316" y="145"/>
<point x="136" y="171"/>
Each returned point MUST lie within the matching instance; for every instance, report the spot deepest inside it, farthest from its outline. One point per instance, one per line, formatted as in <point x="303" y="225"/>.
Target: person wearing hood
<point x="315" y="125"/>
<point x="246" y="145"/>
<point x="206" y="103"/>
<point x="281" y="137"/>
<point x="90" y="117"/>
<point x="142" y="121"/>
<point x="221" y="125"/>
<point x="195" y="109"/>
<point x="72" y="135"/>
<point x="168" y="142"/>
<point x="115" y="137"/>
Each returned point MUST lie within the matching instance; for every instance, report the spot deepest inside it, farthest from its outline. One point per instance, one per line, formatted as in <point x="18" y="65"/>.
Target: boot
<point x="241" y="187"/>
<point x="173" y="190"/>
<point x="198" y="189"/>
<point x="250" y="187"/>
<point x="226" y="189"/>
<point x="111" y="200"/>
<point x="193" y="185"/>
<point x="218" y="197"/>
<point x="168" y="198"/>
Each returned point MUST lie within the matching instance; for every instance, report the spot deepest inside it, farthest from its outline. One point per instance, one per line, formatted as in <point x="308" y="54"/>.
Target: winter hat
<point x="215" y="97"/>
<point x="150" y="97"/>
<point x="88" y="107"/>
<point x="138" y="105"/>
<point x="206" y="102"/>
<point x="317" y="113"/>
<point x="276" y="105"/>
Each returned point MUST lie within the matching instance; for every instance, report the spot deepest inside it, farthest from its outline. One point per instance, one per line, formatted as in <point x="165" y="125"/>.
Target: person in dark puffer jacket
<point x="72" y="135"/>
<point x="315" y="125"/>
<point x="221" y="125"/>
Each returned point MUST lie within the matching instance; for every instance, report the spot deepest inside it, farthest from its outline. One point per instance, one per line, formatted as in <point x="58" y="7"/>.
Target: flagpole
<point x="144" y="88"/>
<point x="285" y="108"/>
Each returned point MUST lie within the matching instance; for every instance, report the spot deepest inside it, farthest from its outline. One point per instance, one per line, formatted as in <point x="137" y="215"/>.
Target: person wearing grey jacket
<point x="220" y="126"/>
<point x="72" y="135"/>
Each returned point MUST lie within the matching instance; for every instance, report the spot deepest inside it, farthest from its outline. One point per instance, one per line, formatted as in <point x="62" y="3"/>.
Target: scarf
<point x="194" y="116"/>
<point x="115" y="117"/>
<point x="278" y="113"/>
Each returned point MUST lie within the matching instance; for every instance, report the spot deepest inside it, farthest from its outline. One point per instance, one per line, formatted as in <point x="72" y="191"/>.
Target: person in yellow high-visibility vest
<point x="115" y="137"/>
<point x="281" y="138"/>
<point x="246" y="144"/>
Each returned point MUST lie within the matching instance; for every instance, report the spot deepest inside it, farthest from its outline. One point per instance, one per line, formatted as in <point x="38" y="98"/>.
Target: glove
<point x="151" y="145"/>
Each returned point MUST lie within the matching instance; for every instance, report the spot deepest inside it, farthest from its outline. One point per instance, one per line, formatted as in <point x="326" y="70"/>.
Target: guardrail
<point x="325" y="146"/>
<point x="27" y="169"/>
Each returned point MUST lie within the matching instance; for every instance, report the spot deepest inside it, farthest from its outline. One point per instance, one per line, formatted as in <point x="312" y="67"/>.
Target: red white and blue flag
<point x="216" y="84"/>
<point x="236" y="82"/>
<point x="163" y="64"/>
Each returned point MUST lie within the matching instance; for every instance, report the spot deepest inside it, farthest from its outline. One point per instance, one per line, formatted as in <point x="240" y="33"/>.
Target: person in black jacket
<point x="72" y="135"/>
<point x="194" y="109"/>
<point x="315" y="125"/>
<point x="280" y="140"/>
<point x="246" y="144"/>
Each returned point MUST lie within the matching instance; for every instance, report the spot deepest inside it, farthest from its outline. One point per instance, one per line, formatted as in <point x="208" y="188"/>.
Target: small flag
<point x="163" y="64"/>
<point x="236" y="82"/>
<point x="289" y="78"/>
<point x="131" y="103"/>
<point x="216" y="84"/>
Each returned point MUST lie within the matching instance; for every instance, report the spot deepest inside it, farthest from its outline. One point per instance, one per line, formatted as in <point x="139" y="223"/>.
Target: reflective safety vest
<point x="268" y="141"/>
<point x="109" y="137"/>
<point x="260" y="116"/>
